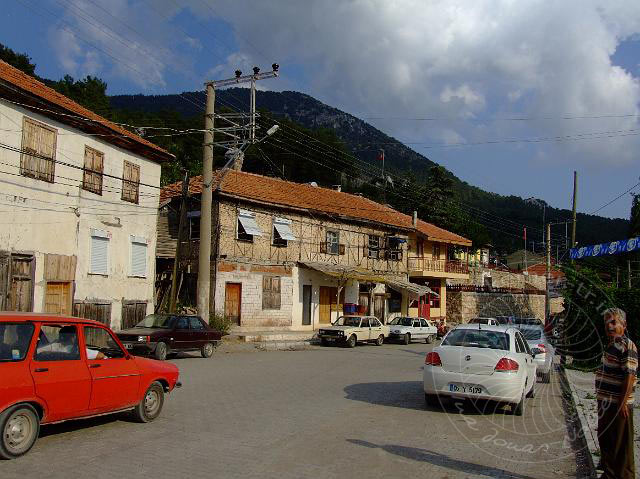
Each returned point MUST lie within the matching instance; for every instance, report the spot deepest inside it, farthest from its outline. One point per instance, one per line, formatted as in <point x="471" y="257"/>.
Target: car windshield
<point x="531" y="334"/>
<point x="14" y="341"/>
<point x="156" y="321"/>
<point x="348" y="321"/>
<point x="480" y="320"/>
<point x="402" y="322"/>
<point x="472" y="338"/>
<point x="531" y="321"/>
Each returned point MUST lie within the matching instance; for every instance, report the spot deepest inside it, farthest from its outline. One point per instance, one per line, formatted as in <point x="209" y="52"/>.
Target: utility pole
<point x="617" y="276"/>
<point x="384" y="179"/>
<point x="526" y="266"/>
<point x="547" y="304"/>
<point x="629" y="273"/>
<point x="575" y="201"/>
<point x="204" y="256"/>
<point x="176" y="261"/>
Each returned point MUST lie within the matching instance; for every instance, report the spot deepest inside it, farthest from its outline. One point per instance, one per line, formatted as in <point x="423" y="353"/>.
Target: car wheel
<point x="518" y="409"/>
<point x="207" y="350"/>
<point x="380" y="340"/>
<point x="429" y="339"/>
<point x="20" y="427"/>
<point x="161" y="351"/>
<point x="407" y="338"/>
<point x="351" y="342"/>
<point x="432" y="400"/>
<point x="149" y="408"/>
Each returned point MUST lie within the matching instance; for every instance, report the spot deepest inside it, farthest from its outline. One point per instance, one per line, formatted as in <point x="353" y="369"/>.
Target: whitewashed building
<point x="78" y="204"/>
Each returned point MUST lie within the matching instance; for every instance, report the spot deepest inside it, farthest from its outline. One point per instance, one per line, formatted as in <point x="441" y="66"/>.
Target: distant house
<point x="79" y="198"/>
<point x="295" y="256"/>
<point x="521" y="260"/>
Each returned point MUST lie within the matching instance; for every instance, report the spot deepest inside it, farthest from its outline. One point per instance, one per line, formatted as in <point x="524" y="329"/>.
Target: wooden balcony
<point x="420" y="266"/>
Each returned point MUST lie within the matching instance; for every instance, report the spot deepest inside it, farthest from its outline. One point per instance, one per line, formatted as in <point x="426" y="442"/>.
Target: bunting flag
<point x="613" y="247"/>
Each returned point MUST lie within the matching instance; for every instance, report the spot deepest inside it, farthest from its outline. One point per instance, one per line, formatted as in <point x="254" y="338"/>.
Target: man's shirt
<point x="619" y="360"/>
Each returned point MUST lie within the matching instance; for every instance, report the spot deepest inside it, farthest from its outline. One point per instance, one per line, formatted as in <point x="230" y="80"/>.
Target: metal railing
<point x="418" y="263"/>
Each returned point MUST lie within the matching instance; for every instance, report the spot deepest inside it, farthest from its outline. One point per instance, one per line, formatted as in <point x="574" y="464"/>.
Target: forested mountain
<point x="499" y="214"/>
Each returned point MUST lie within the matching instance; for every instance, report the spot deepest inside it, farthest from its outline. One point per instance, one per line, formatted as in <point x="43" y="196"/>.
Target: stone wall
<point x="463" y="306"/>
<point x="504" y="279"/>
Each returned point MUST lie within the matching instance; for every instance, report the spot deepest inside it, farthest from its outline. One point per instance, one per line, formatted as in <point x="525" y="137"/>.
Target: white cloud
<point x="458" y="59"/>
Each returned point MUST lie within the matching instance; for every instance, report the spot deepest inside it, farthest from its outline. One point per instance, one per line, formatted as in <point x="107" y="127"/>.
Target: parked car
<point x="537" y="340"/>
<point x="405" y="329"/>
<point x="162" y="334"/>
<point x="487" y="321"/>
<point x="55" y="369"/>
<point x="528" y="321"/>
<point x="349" y="330"/>
<point x="481" y="362"/>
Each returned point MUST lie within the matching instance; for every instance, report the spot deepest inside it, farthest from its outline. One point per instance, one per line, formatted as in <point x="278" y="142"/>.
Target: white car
<point x="405" y="329"/>
<point x="476" y="361"/>
<point x="349" y="330"/>
<point x="488" y="321"/>
<point x="534" y="335"/>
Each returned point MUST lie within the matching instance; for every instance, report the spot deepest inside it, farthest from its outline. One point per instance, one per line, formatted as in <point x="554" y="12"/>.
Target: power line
<point x="615" y="199"/>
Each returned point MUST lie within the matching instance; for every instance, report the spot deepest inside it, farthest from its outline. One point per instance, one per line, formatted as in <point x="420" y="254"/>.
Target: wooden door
<point x="325" y="304"/>
<point x="21" y="283"/>
<point x="57" y="298"/>
<point x="132" y="313"/>
<point x="306" y="304"/>
<point x="233" y="302"/>
<point x="5" y="259"/>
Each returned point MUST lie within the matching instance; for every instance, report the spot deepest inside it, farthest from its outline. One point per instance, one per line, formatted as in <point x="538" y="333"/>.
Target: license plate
<point x="128" y="346"/>
<point x="465" y="388"/>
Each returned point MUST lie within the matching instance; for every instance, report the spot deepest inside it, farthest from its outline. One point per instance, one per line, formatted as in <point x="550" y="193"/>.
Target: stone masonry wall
<point x="463" y="306"/>
<point x="504" y="279"/>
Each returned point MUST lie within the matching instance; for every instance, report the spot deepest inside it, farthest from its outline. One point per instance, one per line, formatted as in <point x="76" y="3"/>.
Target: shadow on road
<point x="410" y="395"/>
<point x="442" y="460"/>
<point x="75" y="425"/>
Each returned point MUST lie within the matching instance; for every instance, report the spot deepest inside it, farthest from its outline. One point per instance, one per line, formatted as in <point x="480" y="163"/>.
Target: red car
<point x="54" y="369"/>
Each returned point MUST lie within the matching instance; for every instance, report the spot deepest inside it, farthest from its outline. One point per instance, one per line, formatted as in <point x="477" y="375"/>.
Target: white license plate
<point x="465" y="388"/>
<point x="128" y="346"/>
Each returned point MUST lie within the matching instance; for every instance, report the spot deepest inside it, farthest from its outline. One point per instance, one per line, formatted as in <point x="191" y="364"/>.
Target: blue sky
<point x="510" y="96"/>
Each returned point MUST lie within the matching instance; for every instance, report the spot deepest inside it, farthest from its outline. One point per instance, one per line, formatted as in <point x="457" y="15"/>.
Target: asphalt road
<point x="318" y="413"/>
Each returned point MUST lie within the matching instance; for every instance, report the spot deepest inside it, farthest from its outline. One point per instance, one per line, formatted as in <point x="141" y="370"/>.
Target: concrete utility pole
<point x="629" y="273"/>
<point x="177" y="257"/>
<point x="204" y="257"/>
<point x="547" y="304"/>
<point x="575" y="201"/>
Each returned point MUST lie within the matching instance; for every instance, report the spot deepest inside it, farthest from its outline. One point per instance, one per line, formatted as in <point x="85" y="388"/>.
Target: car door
<point x="524" y="358"/>
<point x="417" y="329"/>
<point x="364" y="333"/>
<point x="199" y="335"/>
<point x="181" y="333"/>
<point x="115" y="377"/>
<point x="376" y="328"/>
<point x="60" y="374"/>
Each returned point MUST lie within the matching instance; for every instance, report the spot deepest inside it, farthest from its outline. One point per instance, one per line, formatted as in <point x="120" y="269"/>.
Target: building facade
<point x="79" y="200"/>
<point x="294" y="256"/>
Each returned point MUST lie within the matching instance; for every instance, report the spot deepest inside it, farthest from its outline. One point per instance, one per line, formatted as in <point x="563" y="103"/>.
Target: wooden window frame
<point x="130" y="187"/>
<point x="34" y="156"/>
<point x="92" y="178"/>
<point x="329" y="245"/>
<point x="271" y="295"/>
<point x="374" y="252"/>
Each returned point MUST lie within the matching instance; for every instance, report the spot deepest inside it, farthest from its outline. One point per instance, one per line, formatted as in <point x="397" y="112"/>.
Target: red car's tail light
<point x="542" y="348"/>
<point x="433" y="359"/>
<point x="507" y="365"/>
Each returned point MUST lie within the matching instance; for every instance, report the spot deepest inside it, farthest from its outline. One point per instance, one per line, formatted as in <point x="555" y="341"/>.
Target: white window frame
<point x="138" y="240"/>
<point x="103" y="235"/>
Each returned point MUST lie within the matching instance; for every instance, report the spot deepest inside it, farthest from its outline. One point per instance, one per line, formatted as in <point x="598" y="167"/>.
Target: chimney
<point x="415" y="218"/>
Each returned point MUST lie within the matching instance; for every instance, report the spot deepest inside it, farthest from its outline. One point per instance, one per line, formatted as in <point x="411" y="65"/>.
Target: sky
<point x="510" y="95"/>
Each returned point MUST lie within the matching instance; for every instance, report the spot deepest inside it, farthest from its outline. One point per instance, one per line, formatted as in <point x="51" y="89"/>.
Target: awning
<point x="284" y="230"/>
<point x="413" y="288"/>
<point x="248" y="222"/>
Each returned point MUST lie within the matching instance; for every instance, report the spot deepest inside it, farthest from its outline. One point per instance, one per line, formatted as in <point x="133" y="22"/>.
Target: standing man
<point x="615" y="386"/>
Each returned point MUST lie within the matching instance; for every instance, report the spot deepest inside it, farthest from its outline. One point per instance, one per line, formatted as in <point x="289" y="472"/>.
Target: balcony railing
<point x="417" y="263"/>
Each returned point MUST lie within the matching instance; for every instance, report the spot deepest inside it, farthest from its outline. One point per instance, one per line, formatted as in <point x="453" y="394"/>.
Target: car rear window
<point x="402" y="322"/>
<point x="15" y="340"/>
<point x="472" y="338"/>
<point x="531" y="334"/>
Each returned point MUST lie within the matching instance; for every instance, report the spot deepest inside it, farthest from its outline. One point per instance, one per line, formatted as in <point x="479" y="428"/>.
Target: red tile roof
<point x="30" y="85"/>
<point x="274" y="191"/>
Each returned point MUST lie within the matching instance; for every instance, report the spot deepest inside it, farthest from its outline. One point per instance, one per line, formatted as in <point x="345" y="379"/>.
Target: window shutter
<point x="341" y="249"/>
<point x="99" y="253"/>
<point x="138" y="257"/>
<point x="275" y="288"/>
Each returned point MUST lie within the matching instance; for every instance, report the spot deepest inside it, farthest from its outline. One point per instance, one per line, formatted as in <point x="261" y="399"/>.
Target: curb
<point x="589" y="436"/>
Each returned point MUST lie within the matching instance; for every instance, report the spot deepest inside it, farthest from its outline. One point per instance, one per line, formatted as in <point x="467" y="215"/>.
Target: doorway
<point x="233" y="301"/>
<point x="306" y="305"/>
<point x="58" y="298"/>
<point x="328" y="303"/>
<point x="379" y="307"/>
